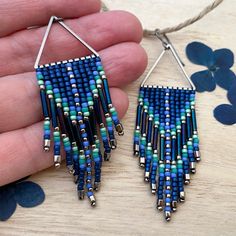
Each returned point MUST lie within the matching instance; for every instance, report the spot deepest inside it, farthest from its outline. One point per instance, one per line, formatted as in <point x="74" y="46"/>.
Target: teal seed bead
<point x="66" y="109"/>
<point x="40" y="76"/>
<point x="97" y="77"/>
<point x="99" y="68"/>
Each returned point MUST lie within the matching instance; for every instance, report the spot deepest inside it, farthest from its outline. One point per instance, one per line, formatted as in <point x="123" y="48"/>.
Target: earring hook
<point x="167" y="45"/>
<point x="60" y="21"/>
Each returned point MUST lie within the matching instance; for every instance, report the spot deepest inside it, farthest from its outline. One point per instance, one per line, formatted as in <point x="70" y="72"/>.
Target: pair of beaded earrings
<point x="76" y="102"/>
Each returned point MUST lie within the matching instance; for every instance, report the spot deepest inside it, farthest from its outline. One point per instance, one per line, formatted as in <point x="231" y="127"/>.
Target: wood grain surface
<point x="125" y="205"/>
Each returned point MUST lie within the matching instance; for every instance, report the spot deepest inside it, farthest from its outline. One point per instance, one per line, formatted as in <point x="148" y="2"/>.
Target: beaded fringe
<point x="77" y="105"/>
<point x="166" y="142"/>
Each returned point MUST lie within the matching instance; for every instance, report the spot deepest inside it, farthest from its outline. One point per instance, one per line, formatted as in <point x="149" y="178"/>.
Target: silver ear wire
<point x="60" y="21"/>
<point x="167" y="46"/>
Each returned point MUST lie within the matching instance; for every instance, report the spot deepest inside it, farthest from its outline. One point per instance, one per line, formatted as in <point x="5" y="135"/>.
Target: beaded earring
<point x="76" y="102"/>
<point x="166" y="137"/>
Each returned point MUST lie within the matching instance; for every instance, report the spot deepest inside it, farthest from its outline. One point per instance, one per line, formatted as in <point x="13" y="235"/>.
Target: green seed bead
<point x="49" y="92"/>
<point x="47" y="122"/>
<point x="90" y="103"/>
<point x="189" y="143"/>
<point x="178" y="127"/>
<point x="58" y="100"/>
<point x="40" y="82"/>
<point x="184" y="150"/>
<point x="56" y="134"/>
<point x="73" y="117"/>
<point x="162" y="131"/>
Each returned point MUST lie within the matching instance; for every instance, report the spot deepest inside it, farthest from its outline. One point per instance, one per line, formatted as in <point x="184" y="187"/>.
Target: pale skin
<point x="115" y="35"/>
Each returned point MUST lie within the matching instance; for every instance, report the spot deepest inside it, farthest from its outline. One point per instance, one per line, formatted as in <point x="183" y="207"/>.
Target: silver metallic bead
<point x="142" y="161"/>
<point x="154" y="188"/>
<point x="92" y="200"/>
<point x="120" y="129"/>
<point x="178" y="157"/>
<point x="146" y="176"/>
<point x="47" y="143"/>
<point x="57" y="161"/>
<point x="182" y="196"/>
<point x="174" y="206"/>
<point x="168" y="215"/>
<point x="136" y="150"/>
<point x="197" y="155"/>
<point x="113" y="143"/>
<point x="160" y="204"/>
<point x="193" y="167"/>
<point x="187" y="179"/>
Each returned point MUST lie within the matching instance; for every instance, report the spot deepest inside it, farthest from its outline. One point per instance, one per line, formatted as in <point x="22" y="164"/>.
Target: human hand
<point x="115" y="35"/>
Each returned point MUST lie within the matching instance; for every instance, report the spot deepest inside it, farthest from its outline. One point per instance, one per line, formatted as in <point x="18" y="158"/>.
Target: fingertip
<point x="128" y="64"/>
<point x="133" y="27"/>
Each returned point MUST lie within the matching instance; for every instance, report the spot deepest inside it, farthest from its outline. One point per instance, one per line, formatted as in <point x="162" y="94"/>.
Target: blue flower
<point x="25" y="193"/>
<point x="218" y="65"/>
<point x="226" y="113"/>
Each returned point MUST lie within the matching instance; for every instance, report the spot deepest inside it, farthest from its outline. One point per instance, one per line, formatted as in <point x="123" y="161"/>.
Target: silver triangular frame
<point x="168" y="46"/>
<point x="60" y="21"/>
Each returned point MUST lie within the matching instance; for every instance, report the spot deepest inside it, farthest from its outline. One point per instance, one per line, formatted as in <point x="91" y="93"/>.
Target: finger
<point x="21" y="104"/>
<point x="18" y="51"/>
<point x="22" y="150"/>
<point x="19" y="14"/>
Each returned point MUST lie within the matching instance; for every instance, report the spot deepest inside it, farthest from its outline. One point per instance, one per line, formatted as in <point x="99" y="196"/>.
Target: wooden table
<point x="125" y="206"/>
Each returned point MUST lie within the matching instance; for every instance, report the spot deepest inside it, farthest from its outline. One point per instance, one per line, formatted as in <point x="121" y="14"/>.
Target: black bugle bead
<point x="53" y="112"/>
<point x="179" y="144"/>
<point x="138" y="116"/>
<point x="183" y="132"/>
<point x="173" y="148"/>
<point x="61" y="120"/>
<point x="69" y="129"/>
<point x="144" y="121"/>
<point x="103" y="101"/>
<point x="149" y="132"/>
<point x="77" y="136"/>
<point x="89" y="131"/>
<point x="93" y="122"/>
<point x="97" y="110"/>
<point x="44" y="103"/>
<point x="162" y="148"/>
<point x="189" y="127"/>
<point x="194" y="120"/>
<point x="155" y="138"/>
